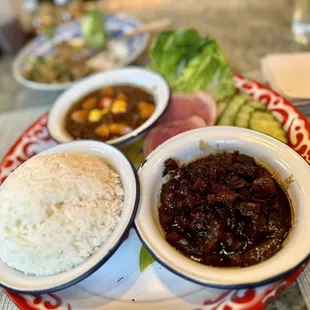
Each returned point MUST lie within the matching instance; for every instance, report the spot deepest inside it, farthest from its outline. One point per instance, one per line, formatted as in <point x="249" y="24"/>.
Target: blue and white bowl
<point x="116" y="25"/>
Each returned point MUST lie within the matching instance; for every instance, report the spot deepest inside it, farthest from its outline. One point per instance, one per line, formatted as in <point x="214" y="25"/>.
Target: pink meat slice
<point x="183" y="106"/>
<point x="162" y="132"/>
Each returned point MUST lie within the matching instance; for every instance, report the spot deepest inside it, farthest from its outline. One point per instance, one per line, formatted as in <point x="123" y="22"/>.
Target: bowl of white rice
<point x="64" y="212"/>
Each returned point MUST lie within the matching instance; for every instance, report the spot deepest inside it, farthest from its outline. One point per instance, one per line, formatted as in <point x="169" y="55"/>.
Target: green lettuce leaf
<point x="191" y="63"/>
<point x="170" y="52"/>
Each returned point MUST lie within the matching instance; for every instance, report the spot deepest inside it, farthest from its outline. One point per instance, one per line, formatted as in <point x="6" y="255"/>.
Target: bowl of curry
<point x="225" y="207"/>
<point x="114" y="107"/>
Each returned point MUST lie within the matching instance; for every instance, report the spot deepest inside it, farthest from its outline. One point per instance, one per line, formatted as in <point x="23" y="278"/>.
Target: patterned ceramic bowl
<point x="17" y="281"/>
<point x="116" y="25"/>
<point x="280" y="159"/>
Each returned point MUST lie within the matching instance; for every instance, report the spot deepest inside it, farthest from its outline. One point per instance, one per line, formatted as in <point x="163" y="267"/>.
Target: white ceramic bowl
<point x="17" y="281"/>
<point x="146" y="79"/>
<point x="280" y="160"/>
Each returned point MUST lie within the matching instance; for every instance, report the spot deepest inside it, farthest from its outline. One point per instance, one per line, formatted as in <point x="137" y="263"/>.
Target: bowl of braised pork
<point x="115" y="106"/>
<point x="225" y="207"/>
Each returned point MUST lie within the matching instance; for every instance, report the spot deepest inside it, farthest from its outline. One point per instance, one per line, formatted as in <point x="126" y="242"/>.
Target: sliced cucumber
<point x="245" y="112"/>
<point x="228" y="116"/>
<point x="221" y="106"/>
<point x="256" y="105"/>
<point x="263" y="115"/>
<point x="280" y="135"/>
<point x="243" y="116"/>
<point x="244" y="95"/>
<point x="266" y="123"/>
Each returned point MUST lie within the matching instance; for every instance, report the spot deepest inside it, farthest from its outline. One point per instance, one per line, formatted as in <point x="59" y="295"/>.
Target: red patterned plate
<point x="136" y="282"/>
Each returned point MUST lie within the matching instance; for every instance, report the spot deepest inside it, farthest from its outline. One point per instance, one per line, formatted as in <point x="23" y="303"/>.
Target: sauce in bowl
<point x="109" y="113"/>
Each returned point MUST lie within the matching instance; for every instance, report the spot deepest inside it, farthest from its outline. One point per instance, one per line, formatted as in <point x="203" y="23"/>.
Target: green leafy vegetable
<point x="191" y="63"/>
<point x="92" y="27"/>
<point x="145" y="259"/>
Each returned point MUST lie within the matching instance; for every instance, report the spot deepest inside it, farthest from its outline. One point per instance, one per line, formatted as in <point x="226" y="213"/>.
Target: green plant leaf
<point x="145" y="259"/>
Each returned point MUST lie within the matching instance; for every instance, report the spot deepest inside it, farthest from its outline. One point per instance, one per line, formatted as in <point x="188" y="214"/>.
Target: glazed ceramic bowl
<point x="146" y="79"/>
<point x="17" y="281"/>
<point x="277" y="157"/>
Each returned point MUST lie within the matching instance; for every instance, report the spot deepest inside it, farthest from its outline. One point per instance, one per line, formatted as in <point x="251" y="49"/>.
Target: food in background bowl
<point x="66" y="64"/>
<point x="60" y="67"/>
<point x="109" y="112"/>
<point x="56" y="211"/>
<point x="224" y="210"/>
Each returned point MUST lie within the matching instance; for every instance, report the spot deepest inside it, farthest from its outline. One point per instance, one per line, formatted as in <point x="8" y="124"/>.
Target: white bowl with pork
<point x="15" y="280"/>
<point x="145" y="79"/>
<point x="280" y="160"/>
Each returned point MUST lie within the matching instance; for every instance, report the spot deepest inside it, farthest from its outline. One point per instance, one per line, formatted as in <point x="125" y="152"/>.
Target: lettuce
<point x="191" y="63"/>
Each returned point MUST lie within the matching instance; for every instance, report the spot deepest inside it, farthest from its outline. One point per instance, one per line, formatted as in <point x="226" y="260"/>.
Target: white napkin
<point x="288" y="74"/>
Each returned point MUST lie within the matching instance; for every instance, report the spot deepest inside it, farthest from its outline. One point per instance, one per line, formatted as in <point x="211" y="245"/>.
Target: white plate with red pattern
<point x="130" y="279"/>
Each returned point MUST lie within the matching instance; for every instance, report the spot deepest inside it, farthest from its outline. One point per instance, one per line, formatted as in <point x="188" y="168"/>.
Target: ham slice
<point x="183" y="106"/>
<point x="162" y="132"/>
<point x="184" y="112"/>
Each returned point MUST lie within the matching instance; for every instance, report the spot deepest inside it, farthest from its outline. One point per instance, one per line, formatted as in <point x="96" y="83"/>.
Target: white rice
<point x="56" y="211"/>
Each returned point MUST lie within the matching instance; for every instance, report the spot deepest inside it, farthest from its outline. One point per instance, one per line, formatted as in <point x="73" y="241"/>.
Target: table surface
<point x="246" y="31"/>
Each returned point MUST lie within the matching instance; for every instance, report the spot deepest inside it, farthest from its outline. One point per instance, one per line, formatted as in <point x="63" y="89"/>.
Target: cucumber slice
<point x="263" y="115"/>
<point x="244" y="95"/>
<point x="228" y="116"/>
<point x="266" y="123"/>
<point x="221" y="106"/>
<point x="245" y="112"/>
<point x="243" y="117"/>
<point x="256" y="105"/>
<point x="280" y="135"/>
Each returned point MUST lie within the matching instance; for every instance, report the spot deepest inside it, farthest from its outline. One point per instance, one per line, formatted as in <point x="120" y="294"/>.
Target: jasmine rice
<point x="56" y="211"/>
